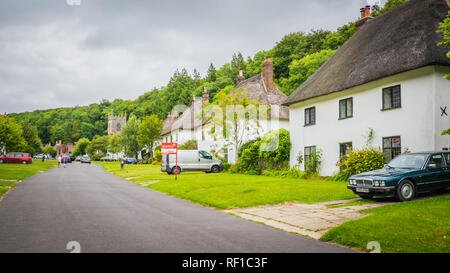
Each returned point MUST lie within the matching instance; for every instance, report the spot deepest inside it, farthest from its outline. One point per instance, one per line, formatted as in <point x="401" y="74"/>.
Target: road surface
<point x="104" y="213"/>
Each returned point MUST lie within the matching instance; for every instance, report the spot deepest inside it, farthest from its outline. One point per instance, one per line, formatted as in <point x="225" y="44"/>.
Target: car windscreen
<point x="410" y="161"/>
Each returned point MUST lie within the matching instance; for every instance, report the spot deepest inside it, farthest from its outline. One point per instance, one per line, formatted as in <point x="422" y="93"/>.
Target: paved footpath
<point x="105" y="213"/>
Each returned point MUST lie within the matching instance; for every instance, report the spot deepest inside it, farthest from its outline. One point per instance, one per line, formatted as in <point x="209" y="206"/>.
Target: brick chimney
<point x="267" y="75"/>
<point x="367" y="11"/>
<point x="365" y="16"/>
<point x="240" y="77"/>
<point x="205" y="96"/>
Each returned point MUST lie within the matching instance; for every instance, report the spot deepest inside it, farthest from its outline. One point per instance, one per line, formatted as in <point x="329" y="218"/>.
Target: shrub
<point x="226" y="166"/>
<point x="312" y="165"/>
<point x="96" y="157"/>
<point x="50" y="150"/>
<point x="189" y="145"/>
<point x="358" y="161"/>
<point x="246" y="145"/>
<point x="275" y="148"/>
<point x="158" y="155"/>
<point x="249" y="160"/>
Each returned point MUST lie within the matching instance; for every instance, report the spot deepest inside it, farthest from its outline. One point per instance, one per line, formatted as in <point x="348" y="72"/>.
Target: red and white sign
<point x="169" y="148"/>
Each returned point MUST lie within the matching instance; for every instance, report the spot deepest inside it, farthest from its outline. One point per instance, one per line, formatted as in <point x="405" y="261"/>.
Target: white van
<point x="191" y="161"/>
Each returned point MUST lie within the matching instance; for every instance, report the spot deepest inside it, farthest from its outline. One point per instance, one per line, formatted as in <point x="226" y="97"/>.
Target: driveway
<point x="104" y="213"/>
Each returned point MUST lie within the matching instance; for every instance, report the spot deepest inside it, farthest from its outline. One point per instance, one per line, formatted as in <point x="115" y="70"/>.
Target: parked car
<point x="39" y="156"/>
<point x="14" y="157"/>
<point x="129" y="160"/>
<point x="85" y="159"/>
<point x="78" y="158"/>
<point x="191" y="161"/>
<point x="405" y="176"/>
<point x="107" y="158"/>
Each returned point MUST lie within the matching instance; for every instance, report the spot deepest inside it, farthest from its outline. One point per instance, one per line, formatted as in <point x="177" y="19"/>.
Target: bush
<point x="189" y="145"/>
<point x="50" y="150"/>
<point x="96" y="157"/>
<point x="246" y="145"/>
<point x="158" y="155"/>
<point x="312" y="166"/>
<point x="226" y="166"/>
<point x="359" y="161"/>
<point x="275" y="148"/>
<point x="249" y="160"/>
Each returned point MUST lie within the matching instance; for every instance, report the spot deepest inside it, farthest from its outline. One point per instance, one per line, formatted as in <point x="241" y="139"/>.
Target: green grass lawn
<point x="419" y="226"/>
<point x="225" y="190"/>
<point x="12" y="174"/>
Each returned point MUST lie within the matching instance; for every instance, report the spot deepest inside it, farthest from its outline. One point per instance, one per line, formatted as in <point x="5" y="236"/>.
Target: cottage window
<point x="392" y="97"/>
<point x="346" y="108"/>
<point x="391" y="147"/>
<point x="345" y="148"/>
<point x="308" y="151"/>
<point x="310" y="116"/>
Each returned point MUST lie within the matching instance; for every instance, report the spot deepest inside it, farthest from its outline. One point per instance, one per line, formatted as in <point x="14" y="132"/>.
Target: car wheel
<point x="406" y="191"/>
<point x="178" y="170"/>
<point x="215" y="169"/>
<point x="24" y="162"/>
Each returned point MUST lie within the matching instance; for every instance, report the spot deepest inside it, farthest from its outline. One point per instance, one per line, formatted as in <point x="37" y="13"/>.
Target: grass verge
<point x="12" y="174"/>
<point x="225" y="190"/>
<point x="420" y="226"/>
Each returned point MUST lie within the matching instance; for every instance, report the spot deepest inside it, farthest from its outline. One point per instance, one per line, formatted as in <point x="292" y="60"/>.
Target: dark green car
<point x="405" y="176"/>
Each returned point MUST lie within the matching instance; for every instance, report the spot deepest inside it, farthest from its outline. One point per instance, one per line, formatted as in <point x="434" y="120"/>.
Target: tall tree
<point x="129" y="137"/>
<point x="149" y="131"/>
<point x="211" y="75"/>
<point x="30" y="134"/>
<point x="80" y="149"/>
<point x="233" y="116"/>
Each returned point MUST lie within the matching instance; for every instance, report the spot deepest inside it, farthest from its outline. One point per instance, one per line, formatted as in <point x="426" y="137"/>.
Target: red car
<point x="23" y="158"/>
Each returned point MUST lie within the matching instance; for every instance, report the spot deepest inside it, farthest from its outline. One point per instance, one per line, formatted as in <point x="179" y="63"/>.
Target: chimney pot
<point x="240" y="78"/>
<point x="363" y="13"/>
<point x="367" y="11"/>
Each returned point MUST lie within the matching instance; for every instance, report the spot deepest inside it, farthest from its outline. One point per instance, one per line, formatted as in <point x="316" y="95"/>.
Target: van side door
<point x="205" y="160"/>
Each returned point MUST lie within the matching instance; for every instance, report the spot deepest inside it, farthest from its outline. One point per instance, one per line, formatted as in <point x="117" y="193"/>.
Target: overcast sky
<point x="56" y="55"/>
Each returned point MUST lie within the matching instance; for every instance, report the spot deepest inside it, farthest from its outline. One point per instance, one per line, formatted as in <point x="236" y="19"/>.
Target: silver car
<point x="191" y="161"/>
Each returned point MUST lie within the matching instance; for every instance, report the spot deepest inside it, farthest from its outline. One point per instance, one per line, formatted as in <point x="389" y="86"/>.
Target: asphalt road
<point x="104" y="213"/>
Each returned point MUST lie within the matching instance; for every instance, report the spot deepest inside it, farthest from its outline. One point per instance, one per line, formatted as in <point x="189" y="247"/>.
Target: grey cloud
<point x="56" y="55"/>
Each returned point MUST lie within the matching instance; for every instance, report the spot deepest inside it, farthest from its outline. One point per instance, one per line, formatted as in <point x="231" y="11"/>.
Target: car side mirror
<point x="431" y="166"/>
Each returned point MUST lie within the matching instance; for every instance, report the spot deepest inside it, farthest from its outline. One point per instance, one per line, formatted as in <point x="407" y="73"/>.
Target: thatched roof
<point x="188" y="120"/>
<point x="400" y="40"/>
<point x="254" y="87"/>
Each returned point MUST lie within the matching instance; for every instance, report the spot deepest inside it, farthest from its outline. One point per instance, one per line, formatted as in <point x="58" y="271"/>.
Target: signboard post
<point x="171" y="149"/>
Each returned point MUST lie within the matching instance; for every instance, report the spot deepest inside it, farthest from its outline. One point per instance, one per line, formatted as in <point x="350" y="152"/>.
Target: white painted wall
<point x="417" y="121"/>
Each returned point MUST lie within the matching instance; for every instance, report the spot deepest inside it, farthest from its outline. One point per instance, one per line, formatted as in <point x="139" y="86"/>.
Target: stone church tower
<point x="116" y="123"/>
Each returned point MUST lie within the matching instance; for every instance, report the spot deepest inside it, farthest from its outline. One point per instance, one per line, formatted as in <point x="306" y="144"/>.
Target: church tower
<point x="116" y="123"/>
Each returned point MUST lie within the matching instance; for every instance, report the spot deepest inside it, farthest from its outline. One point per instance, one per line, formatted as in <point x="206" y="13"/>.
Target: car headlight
<point x="382" y="184"/>
<point x="376" y="183"/>
<point x="352" y="182"/>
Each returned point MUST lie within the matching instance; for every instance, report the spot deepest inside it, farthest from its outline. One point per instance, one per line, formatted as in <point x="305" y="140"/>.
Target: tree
<point x="11" y="136"/>
<point x="444" y="28"/>
<point x="211" y="76"/>
<point x="30" y="134"/>
<point x="80" y="149"/>
<point x="99" y="145"/>
<point x="390" y="4"/>
<point x="129" y="137"/>
<point x="301" y="70"/>
<point x="149" y="131"/>
<point x="232" y="115"/>
<point x="50" y="151"/>
<point x="114" y="144"/>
